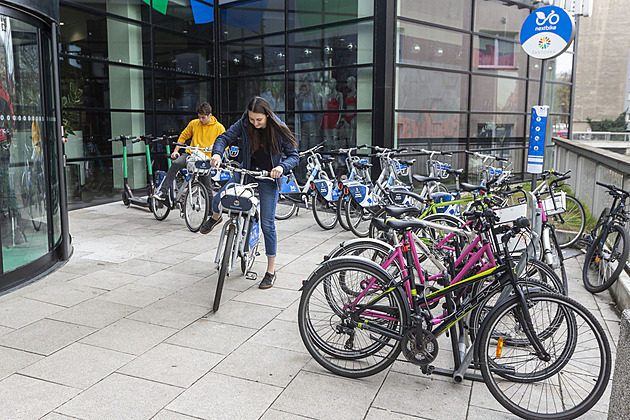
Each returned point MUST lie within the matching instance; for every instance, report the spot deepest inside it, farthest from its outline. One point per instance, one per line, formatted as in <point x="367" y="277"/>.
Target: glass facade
<point x="315" y="66"/>
<point x="128" y="68"/>
<point x="460" y="78"/>
<point x="464" y="82"/>
<point x="30" y="195"/>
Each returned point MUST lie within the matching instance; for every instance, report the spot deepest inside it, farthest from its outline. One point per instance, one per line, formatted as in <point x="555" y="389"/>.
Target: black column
<point x="384" y="65"/>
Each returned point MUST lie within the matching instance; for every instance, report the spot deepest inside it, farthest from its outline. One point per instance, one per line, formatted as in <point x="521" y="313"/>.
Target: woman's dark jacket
<point x="238" y="130"/>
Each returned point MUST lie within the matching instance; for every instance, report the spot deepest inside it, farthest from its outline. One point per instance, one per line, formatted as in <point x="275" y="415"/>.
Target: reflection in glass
<point x="498" y="18"/>
<point x="332" y="46"/>
<point x="558" y="97"/>
<point x="307" y="13"/>
<point x="559" y="69"/>
<point x="418" y="89"/>
<point x="414" y="126"/>
<point x="559" y="126"/>
<point x="497" y="94"/>
<point x="237" y="93"/>
<point x="181" y="53"/>
<point x="498" y="130"/>
<point x="254" y="17"/>
<point x="83" y="34"/>
<point x="182" y="18"/>
<point x="254" y="56"/>
<point x="455" y="13"/>
<point x="497" y="56"/>
<point x="429" y="46"/>
<point x="85" y="83"/>
<point x="23" y="218"/>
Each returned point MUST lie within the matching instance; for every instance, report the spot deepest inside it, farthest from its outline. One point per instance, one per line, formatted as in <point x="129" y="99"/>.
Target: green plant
<point x="71" y="119"/>
<point x="618" y="124"/>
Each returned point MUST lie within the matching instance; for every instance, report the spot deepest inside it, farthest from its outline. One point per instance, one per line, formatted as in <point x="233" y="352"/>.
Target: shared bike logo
<point x="552" y="18"/>
<point x="544" y="43"/>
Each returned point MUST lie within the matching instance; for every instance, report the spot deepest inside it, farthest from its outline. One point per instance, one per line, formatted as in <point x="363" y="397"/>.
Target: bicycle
<point x="240" y="235"/>
<point x="187" y="193"/>
<point x="571" y="221"/>
<point x="607" y="254"/>
<point x="524" y="346"/>
<point x="291" y="193"/>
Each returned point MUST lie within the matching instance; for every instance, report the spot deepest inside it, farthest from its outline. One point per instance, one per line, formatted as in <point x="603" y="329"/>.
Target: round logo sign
<point x="547" y="32"/>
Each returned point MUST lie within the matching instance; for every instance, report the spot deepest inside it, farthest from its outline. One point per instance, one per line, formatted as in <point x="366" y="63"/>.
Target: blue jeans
<point x="268" y="196"/>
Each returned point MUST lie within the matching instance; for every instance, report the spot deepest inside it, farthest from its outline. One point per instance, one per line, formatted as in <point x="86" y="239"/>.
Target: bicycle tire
<point x="285" y="207"/>
<point x="556" y="253"/>
<point x="196" y="206"/>
<point x="324" y="211"/>
<point x="159" y="208"/>
<point x="371" y="249"/>
<point x="324" y="333"/>
<point x="600" y="271"/>
<point x="358" y="218"/>
<point x="341" y="211"/>
<point x="570" y="224"/>
<point x="547" y="387"/>
<point x="539" y="275"/>
<point x="225" y="263"/>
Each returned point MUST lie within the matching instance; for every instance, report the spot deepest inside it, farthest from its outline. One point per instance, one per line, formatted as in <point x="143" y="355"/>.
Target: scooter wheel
<point x="125" y="198"/>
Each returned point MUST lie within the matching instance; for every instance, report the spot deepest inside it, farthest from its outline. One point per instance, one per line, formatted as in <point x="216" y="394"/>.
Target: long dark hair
<point x="261" y="106"/>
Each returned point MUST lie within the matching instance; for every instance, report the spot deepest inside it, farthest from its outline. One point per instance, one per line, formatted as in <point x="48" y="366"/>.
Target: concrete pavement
<point x="124" y="330"/>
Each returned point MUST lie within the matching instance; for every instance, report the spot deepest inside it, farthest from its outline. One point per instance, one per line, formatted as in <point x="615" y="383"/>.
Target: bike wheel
<point x="537" y="278"/>
<point x="373" y="250"/>
<point x="159" y="208"/>
<point x="196" y="205"/>
<point x="570" y="224"/>
<point x="342" y="202"/>
<point x="358" y="218"/>
<point x="335" y="341"/>
<point x="286" y="206"/>
<point x="565" y="386"/>
<point x="324" y="211"/>
<point x="605" y="259"/>
<point x="226" y="260"/>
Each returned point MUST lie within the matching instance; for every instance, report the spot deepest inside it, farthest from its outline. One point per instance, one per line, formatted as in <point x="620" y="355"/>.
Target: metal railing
<point x="601" y="136"/>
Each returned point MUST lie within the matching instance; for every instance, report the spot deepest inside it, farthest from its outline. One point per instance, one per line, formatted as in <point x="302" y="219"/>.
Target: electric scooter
<point x="127" y="195"/>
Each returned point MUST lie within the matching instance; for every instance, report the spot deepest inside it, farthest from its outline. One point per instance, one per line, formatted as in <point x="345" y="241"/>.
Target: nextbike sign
<point x="547" y="32"/>
<point x="537" y="135"/>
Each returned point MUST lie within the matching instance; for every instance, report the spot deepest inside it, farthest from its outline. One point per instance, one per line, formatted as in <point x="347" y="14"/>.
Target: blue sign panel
<point x="547" y="32"/>
<point x="537" y="134"/>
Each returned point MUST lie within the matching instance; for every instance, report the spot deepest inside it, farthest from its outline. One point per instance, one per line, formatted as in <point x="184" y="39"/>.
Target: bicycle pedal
<point x="428" y="369"/>
<point x="251" y="275"/>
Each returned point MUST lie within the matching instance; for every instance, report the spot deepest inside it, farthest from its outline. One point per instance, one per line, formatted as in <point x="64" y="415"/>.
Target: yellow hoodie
<point x="202" y="135"/>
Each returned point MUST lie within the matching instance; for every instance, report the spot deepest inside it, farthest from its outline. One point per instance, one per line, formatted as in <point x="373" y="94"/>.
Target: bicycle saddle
<point x="327" y="159"/>
<point x="402" y="225"/>
<point x="455" y="171"/>
<point x="399" y="211"/>
<point x="408" y="162"/>
<point x="363" y="165"/>
<point x="421" y="178"/>
<point x="470" y="187"/>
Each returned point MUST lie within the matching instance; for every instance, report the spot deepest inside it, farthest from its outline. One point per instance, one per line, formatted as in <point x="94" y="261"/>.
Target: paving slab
<point x="120" y="397"/>
<point x="29" y="398"/>
<point x="125" y="329"/>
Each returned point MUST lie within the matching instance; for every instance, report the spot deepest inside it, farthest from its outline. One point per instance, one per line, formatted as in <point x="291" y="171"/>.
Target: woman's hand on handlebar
<point x="276" y="172"/>
<point x="215" y="160"/>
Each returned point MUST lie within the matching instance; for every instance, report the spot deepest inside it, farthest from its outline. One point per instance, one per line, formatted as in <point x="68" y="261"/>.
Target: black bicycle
<point x="608" y="251"/>
<point x="542" y="355"/>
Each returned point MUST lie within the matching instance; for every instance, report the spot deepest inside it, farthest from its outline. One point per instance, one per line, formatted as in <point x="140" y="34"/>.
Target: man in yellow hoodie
<point x="203" y="131"/>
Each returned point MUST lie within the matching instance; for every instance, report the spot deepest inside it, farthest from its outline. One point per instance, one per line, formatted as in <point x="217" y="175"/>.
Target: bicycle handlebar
<point x="255" y="174"/>
<point x="121" y="138"/>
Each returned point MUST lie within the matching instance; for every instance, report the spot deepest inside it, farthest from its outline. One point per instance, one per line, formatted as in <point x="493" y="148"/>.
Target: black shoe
<point x="159" y="195"/>
<point x="210" y="224"/>
<point x="267" y="281"/>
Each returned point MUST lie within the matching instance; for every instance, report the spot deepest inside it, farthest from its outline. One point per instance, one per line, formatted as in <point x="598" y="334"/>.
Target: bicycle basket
<point x="440" y="168"/>
<point x="238" y="198"/>
<point x="560" y="204"/>
<point x="198" y="163"/>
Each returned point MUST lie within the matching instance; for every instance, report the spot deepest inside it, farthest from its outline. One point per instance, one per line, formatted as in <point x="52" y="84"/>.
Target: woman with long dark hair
<point x="266" y="143"/>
